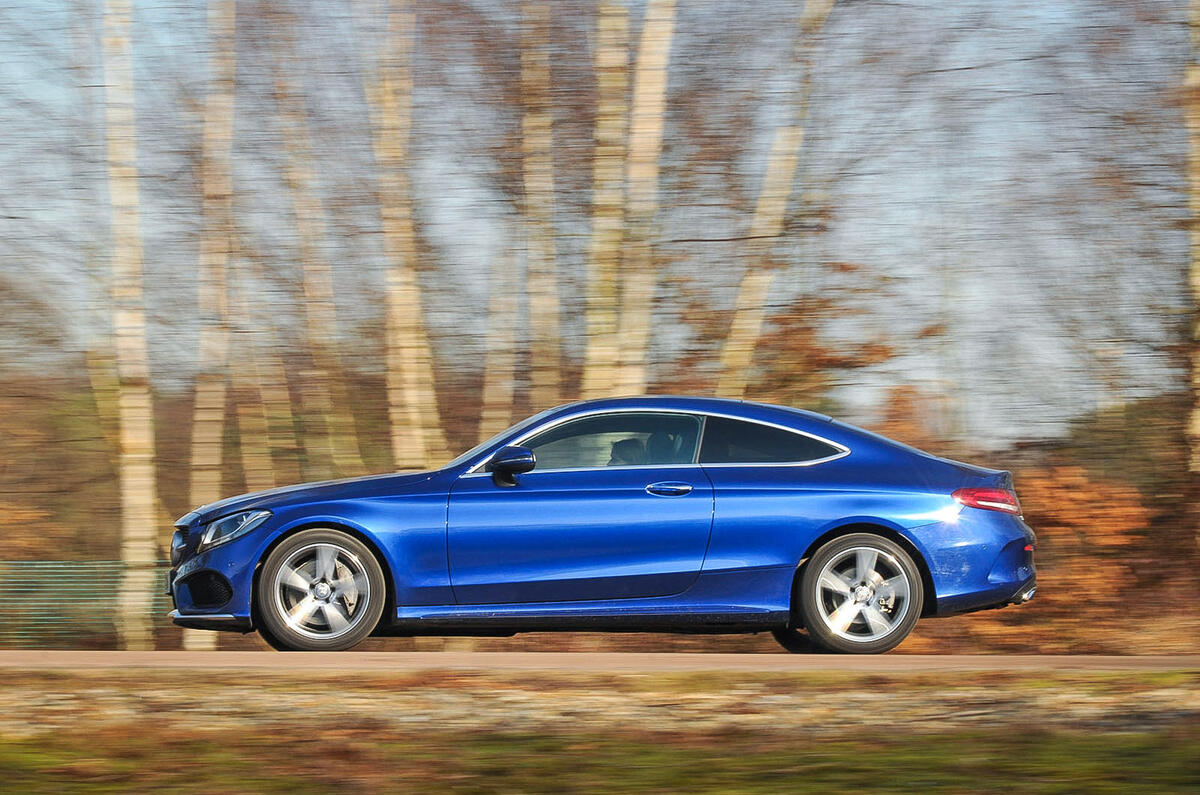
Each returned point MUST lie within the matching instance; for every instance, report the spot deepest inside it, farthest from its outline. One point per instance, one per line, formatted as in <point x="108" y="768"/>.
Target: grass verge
<point x="135" y="758"/>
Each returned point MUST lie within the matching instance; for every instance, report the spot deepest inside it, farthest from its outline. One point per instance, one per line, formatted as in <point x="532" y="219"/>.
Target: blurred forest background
<point x="245" y="244"/>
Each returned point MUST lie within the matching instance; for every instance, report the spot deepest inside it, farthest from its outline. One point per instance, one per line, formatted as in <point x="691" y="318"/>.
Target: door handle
<point x="669" y="489"/>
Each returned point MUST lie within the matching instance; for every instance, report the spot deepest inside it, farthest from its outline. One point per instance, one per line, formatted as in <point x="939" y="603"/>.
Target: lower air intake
<point x="208" y="589"/>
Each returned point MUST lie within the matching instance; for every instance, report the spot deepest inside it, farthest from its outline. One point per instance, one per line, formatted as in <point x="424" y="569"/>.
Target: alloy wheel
<point x="322" y="591"/>
<point x="862" y="594"/>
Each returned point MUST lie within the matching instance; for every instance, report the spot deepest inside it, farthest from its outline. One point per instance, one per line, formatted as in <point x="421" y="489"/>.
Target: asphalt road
<point x="567" y="662"/>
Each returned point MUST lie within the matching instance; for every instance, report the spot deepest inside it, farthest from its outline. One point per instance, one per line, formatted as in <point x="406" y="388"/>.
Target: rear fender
<point x="879" y="527"/>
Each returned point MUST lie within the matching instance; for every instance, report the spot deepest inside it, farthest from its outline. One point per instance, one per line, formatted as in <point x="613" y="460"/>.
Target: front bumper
<point x="211" y="589"/>
<point x="218" y="621"/>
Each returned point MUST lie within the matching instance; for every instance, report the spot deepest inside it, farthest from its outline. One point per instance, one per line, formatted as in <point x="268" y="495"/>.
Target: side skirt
<point x="505" y="625"/>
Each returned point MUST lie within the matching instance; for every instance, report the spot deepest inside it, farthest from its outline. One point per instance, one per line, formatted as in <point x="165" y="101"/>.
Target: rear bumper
<point x="1019" y="597"/>
<point x="1026" y="592"/>
<point x="983" y="559"/>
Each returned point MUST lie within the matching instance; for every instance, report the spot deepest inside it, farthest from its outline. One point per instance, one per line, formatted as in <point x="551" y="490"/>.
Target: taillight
<point x="989" y="499"/>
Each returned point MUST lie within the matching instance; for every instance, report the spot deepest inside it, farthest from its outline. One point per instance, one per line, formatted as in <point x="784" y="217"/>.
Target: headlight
<point x="231" y="527"/>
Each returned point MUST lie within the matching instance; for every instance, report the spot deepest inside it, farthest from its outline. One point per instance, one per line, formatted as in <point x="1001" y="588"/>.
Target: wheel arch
<point x="389" y="602"/>
<point x="929" y="608"/>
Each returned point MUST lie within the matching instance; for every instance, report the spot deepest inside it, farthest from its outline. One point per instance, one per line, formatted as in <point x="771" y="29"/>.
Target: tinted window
<point x="729" y="441"/>
<point x="618" y="439"/>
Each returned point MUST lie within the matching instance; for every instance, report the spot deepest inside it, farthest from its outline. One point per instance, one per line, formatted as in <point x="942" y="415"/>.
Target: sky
<point x="1005" y="182"/>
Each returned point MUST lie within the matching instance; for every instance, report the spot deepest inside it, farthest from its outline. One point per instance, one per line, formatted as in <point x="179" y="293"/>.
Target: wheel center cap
<point x="862" y="593"/>
<point x="322" y="590"/>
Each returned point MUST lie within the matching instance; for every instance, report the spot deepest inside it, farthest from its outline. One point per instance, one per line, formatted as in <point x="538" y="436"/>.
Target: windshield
<point x="483" y="446"/>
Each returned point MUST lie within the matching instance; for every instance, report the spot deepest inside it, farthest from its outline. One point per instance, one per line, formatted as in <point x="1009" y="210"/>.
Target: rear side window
<point x="729" y="441"/>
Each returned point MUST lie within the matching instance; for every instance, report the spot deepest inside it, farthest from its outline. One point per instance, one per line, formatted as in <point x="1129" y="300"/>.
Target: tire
<point x="796" y="641"/>
<point x="319" y="590"/>
<point x="860" y="594"/>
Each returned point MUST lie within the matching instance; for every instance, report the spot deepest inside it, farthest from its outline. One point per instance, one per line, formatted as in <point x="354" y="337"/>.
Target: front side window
<point x="618" y="439"/>
<point x="729" y="441"/>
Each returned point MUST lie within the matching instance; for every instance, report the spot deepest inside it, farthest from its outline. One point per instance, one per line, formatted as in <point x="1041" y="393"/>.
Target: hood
<point x="346" y="488"/>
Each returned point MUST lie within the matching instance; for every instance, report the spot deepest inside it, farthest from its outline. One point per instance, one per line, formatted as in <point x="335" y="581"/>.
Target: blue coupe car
<point x="664" y="514"/>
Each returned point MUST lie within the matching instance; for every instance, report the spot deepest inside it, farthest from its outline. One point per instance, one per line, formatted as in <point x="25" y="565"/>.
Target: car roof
<point x="743" y="408"/>
<point x="820" y="425"/>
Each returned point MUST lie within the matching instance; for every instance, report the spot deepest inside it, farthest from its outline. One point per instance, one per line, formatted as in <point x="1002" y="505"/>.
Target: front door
<point x="616" y="508"/>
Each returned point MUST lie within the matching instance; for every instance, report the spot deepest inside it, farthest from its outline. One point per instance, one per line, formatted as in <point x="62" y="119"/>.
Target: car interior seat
<point x="663" y="448"/>
<point x="627" y="452"/>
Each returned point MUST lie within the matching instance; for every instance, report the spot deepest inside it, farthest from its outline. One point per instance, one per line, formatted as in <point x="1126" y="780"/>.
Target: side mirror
<point x="508" y="462"/>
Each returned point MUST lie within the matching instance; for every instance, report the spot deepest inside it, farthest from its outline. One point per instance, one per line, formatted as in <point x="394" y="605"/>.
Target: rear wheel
<point x="319" y="590"/>
<point x="860" y="594"/>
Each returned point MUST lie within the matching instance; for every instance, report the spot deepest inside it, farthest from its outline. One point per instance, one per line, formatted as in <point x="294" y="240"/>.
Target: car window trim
<point x="474" y="470"/>
<point x="842" y="450"/>
<point x="702" y="415"/>
<point x="614" y="468"/>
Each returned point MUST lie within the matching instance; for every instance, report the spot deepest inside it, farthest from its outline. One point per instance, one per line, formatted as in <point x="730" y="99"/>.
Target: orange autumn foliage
<point x="903" y="418"/>
<point x="1073" y="512"/>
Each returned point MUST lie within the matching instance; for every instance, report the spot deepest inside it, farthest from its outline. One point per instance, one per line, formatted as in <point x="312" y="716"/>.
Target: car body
<point x="651" y="513"/>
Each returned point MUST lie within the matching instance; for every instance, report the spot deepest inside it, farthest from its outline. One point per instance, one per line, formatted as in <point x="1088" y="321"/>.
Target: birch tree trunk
<point x="100" y="360"/>
<point x="139" y="546"/>
<point x="418" y="440"/>
<point x="268" y="388"/>
<point x="737" y="354"/>
<point x="246" y="379"/>
<point x="208" y="419"/>
<point x="645" y="143"/>
<point x="537" y="153"/>
<point x="264" y="384"/>
<point x="499" y="357"/>
<point x="273" y="392"/>
<point x="254" y="428"/>
<point x="1192" y="115"/>
<point x="326" y="402"/>
<point x="608" y="197"/>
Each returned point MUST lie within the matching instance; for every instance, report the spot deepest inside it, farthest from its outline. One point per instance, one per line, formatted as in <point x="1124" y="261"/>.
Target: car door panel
<point x="574" y="535"/>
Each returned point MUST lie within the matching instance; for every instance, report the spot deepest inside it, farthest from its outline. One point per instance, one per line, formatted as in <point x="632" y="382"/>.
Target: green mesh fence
<point x="56" y="604"/>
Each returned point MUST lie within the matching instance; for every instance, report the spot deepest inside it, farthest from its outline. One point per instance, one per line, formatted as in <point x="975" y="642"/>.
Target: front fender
<point x="409" y="534"/>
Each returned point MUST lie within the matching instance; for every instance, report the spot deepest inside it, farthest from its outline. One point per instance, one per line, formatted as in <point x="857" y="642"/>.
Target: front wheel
<point x="319" y="590"/>
<point x="860" y="594"/>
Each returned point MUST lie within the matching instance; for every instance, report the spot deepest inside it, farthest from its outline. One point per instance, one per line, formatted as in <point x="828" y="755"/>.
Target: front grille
<point x="207" y="589"/>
